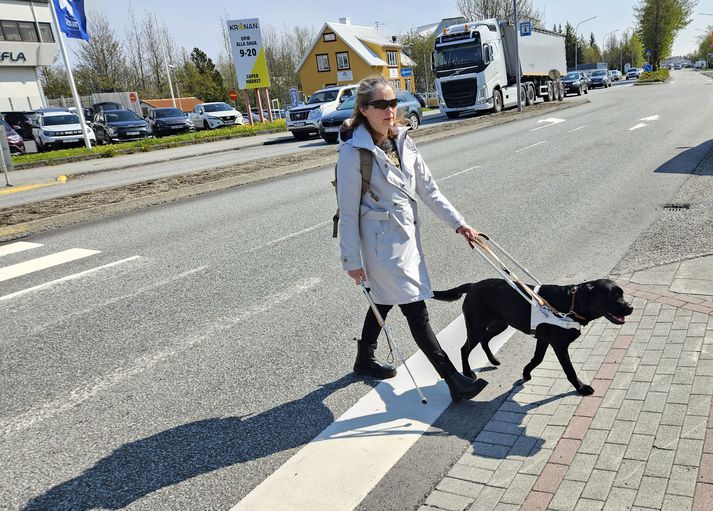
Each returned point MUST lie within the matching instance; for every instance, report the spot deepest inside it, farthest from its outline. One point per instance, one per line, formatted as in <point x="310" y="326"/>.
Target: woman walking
<point x="379" y="233"/>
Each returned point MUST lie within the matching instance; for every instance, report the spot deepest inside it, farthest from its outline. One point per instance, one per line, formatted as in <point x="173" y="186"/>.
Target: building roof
<point x="185" y="104"/>
<point x="355" y="36"/>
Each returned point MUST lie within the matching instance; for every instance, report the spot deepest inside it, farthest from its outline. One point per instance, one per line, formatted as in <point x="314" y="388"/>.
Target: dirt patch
<point x="29" y="217"/>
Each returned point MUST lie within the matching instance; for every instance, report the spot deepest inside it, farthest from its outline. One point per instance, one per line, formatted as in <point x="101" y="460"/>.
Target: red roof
<point x="185" y="104"/>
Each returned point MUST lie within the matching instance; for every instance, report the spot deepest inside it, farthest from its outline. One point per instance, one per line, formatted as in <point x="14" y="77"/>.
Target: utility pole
<point x="576" y="39"/>
<point x="517" y="55"/>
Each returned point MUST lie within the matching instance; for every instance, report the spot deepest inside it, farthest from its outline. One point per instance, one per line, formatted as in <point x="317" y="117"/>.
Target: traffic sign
<point x="233" y="95"/>
<point x="627" y="66"/>
<point x="647" y="52"/>
<point x="525" y="28"/>
<point x="648" y="68"/>
<point x="293" y="96"/>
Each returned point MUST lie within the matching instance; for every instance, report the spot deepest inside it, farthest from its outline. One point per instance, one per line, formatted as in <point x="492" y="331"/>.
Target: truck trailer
<point x="475" y="65"/>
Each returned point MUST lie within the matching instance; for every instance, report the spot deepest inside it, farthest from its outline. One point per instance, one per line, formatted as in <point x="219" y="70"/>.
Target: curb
<point x="24" y="229"/>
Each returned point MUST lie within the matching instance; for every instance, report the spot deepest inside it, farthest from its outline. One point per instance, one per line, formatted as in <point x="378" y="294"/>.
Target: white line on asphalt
<point x="178" y="345"/>
<point x="41" y="263"/>
<point x="295" y="234"/>
<point x="577" y="129"/>
<point x="459" y="173"/>
<point x="531" y="146"/>
<point x="650" y="118"/>
<point x="640" y="125"/>
<point x="551" y="121"/>
<point x="14" y="248"/>
<point x="344" y="462"/>
<point x="64" y="279"/>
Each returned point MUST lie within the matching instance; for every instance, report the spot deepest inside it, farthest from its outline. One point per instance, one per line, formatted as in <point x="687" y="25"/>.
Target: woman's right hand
<point x="358" y="275"/>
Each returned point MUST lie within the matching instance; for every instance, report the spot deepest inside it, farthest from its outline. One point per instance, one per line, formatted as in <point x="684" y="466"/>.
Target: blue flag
<point x="72" y="21"/>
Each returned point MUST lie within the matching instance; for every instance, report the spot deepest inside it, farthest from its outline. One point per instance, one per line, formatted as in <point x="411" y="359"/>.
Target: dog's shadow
<point x="170" y="457"/>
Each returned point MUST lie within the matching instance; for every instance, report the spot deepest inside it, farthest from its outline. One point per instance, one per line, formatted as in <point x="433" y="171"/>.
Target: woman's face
<point x="381" y="119"/>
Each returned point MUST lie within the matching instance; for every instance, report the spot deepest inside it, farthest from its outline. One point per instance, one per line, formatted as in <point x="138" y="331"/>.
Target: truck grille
<point x="299" y="116"/>
<point x="459" y="93"/>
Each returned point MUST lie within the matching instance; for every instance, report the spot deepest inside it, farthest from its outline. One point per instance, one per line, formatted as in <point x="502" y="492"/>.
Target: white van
<point x="303" y="120"/>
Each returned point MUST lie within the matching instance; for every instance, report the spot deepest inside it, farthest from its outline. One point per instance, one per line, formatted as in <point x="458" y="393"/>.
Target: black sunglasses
<point x="383" y="104"/>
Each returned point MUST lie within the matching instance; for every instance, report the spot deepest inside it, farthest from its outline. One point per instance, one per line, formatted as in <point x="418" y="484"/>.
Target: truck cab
<point x="476" y="66"/>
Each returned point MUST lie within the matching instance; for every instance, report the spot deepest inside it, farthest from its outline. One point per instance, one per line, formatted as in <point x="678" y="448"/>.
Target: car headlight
<point x="315" y="114"/>
<point x="48" y="133"/>
<point x="111" y="130"/>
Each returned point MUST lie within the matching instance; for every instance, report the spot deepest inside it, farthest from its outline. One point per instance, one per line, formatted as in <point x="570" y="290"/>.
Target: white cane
<point x="390" y="339"/>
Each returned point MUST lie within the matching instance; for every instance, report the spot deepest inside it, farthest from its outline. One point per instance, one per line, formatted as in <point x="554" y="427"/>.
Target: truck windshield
<point x="460" y="55"/>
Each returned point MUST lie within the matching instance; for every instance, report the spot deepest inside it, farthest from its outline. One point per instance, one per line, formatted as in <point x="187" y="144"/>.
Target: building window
<point x="10" y="30"/>
<point x="391" y="59"/>
<point x="322" y="62"/>
<point x="46" y="33"/>
<point x="329" y="37"/>
<point x="28" y="31"/>
<point x="343" y="60"/>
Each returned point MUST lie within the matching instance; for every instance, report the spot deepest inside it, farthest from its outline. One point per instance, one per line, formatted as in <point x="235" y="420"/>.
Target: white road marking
<point x="531" y="146"/>
<point x="176" y="346"/>
<point x="337" y="469"/>
<point x="64" y="279"/>
<point x="551" y="121"/>
<point x="640" y="125"/>
<point x="14" y="248"/>
<point x="577" y="129"/>
<point x="295" y="234"/>
<point x="41" y="263"/>
<point x="651" y="118"/>
<point x="459" y="173"/>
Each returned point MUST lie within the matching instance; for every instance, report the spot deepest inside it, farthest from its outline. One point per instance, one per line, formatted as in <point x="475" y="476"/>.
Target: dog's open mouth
<point x="617" y="320"/>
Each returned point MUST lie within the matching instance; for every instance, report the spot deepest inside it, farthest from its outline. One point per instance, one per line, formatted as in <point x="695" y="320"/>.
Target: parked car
<point x="600" y="78"/>
<point x="169" y="121"/>
<point x="14" y="140"/>
<point x="575" y="82"/>
<point x="633" y="73"/>
<point x="21" y="122"/>
<point x="59" y="129"/>
<point x="408" y="108"/>
<point x="304" y="120"/>
<point x="120" y="126"/>
<point x="91" y="112"/>
<point x="421" y="99"/>
<point x="615" y="75"/>
<point x="208" y="116"/>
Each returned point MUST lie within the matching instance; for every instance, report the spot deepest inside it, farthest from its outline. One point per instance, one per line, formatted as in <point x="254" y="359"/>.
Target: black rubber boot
<point x="460" y="386"/>
<point x="367" y="365"/>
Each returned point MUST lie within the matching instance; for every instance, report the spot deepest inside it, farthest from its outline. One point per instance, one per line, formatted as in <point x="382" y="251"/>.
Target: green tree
<point x="202" y="78"/>
<point x="54" y="81"/>
<point x="101" y="65"/>
<point x="419" y="48"/>
<point x="659" y="21"/>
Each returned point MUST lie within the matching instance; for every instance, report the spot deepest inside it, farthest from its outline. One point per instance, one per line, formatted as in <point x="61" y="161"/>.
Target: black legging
<point x="417" y="317"/>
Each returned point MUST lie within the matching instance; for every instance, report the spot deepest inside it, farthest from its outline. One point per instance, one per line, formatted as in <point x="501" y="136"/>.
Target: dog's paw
<point x="526" y="376"/>
<point x="585" y="390"/>
<point x="494" y="361"/>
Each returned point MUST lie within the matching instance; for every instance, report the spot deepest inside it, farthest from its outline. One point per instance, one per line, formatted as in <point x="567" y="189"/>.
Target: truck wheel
<point x="497" y="101"/>
<point x="523" y="96"/>
<point x="550" y="92"/>
<point x="530" y="97"/>
<point x="452" y="115"/>
<point x="560" y="91"/>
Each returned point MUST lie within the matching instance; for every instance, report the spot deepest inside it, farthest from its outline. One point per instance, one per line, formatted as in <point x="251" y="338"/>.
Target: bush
<point x="660" y="75"/>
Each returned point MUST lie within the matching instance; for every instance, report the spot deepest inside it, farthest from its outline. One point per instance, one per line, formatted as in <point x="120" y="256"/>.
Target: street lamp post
<point x="576" y="39"/>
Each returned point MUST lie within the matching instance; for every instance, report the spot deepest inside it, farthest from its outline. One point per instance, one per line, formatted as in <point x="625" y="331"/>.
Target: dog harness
<point x="540" y="315"/>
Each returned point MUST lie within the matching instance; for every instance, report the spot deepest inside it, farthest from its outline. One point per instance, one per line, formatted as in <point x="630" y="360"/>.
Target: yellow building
<point x="343" y="53"/>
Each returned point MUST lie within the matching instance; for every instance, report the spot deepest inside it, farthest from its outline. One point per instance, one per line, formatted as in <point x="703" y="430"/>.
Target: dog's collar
<point x="573" y="292"/>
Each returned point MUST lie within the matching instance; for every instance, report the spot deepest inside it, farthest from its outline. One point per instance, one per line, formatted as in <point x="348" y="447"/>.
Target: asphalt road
<point x="181" y="378"/>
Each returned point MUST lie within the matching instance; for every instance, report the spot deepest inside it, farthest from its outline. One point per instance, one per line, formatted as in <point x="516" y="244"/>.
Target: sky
<point x="191" y="26"/>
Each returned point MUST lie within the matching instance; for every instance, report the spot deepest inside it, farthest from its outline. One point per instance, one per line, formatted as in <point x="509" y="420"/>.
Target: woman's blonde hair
<point x="364" y="94"/>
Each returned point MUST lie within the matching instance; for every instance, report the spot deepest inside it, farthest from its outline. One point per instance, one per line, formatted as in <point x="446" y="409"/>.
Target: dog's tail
<point x="451" y="295"/>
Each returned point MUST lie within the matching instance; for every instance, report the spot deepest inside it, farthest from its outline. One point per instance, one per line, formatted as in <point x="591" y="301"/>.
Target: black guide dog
<point x="491" y="305"/>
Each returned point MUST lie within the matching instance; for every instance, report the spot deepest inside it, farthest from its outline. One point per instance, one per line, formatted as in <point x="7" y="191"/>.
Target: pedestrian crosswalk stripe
<point x="41" y="263"/>
<point x="19" y="246"/>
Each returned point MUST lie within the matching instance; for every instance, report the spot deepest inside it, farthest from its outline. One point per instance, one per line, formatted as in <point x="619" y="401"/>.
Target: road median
<point x="23" y="220"/>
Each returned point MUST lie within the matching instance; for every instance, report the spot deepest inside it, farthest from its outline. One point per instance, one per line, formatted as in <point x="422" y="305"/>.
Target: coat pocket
<point x="376" y="230"/>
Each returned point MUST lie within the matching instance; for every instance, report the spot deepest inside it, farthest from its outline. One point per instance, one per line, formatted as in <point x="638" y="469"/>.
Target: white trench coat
<point x="383" y="236"/>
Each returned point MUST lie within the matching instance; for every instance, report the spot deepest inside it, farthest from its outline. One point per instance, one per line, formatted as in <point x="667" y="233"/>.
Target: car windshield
<point x="599" y="73"/>
<point x="217" y="107"/>
<point x="573" y="75"/>
<point x="323" y="96"/>
<point x="168" y="112"/>
<point x="348" y="104"/>
<point x="121" y="115"/>
<point x="56" y="120"/>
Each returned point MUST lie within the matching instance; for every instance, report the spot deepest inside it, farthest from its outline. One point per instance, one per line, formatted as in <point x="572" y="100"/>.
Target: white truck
<point x="475" y="65"/>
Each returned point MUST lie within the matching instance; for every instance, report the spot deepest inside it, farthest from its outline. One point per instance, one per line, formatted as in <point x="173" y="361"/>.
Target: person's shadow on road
<point x="181" y="453"/>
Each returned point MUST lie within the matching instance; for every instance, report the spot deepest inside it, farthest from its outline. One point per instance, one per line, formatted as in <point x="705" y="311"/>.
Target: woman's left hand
<point x="470" y="234"/>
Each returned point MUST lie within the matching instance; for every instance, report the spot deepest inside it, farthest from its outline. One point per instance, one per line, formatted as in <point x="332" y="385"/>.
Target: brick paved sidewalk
<point x="644" y="440"/>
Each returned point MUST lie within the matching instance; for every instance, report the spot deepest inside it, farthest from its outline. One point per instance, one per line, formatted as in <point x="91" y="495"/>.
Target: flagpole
<point x="80" y="111"/>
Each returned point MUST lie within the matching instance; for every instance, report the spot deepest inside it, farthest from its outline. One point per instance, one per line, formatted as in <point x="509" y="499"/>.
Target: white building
<point x="26" y="42"/>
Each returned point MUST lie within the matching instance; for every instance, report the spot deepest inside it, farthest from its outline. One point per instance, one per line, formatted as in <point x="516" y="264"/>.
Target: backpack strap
<point x="366" y="161"/>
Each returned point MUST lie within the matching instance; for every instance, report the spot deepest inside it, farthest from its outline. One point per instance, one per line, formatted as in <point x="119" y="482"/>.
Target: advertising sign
<point x="344" y="76"/>
<point x="248" y="53"/>
<point x="71" y="18"/>
<point x="406" y="71"/>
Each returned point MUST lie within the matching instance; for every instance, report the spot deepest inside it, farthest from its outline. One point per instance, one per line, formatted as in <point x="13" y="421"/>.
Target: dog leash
<point x="528" y="294"/>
